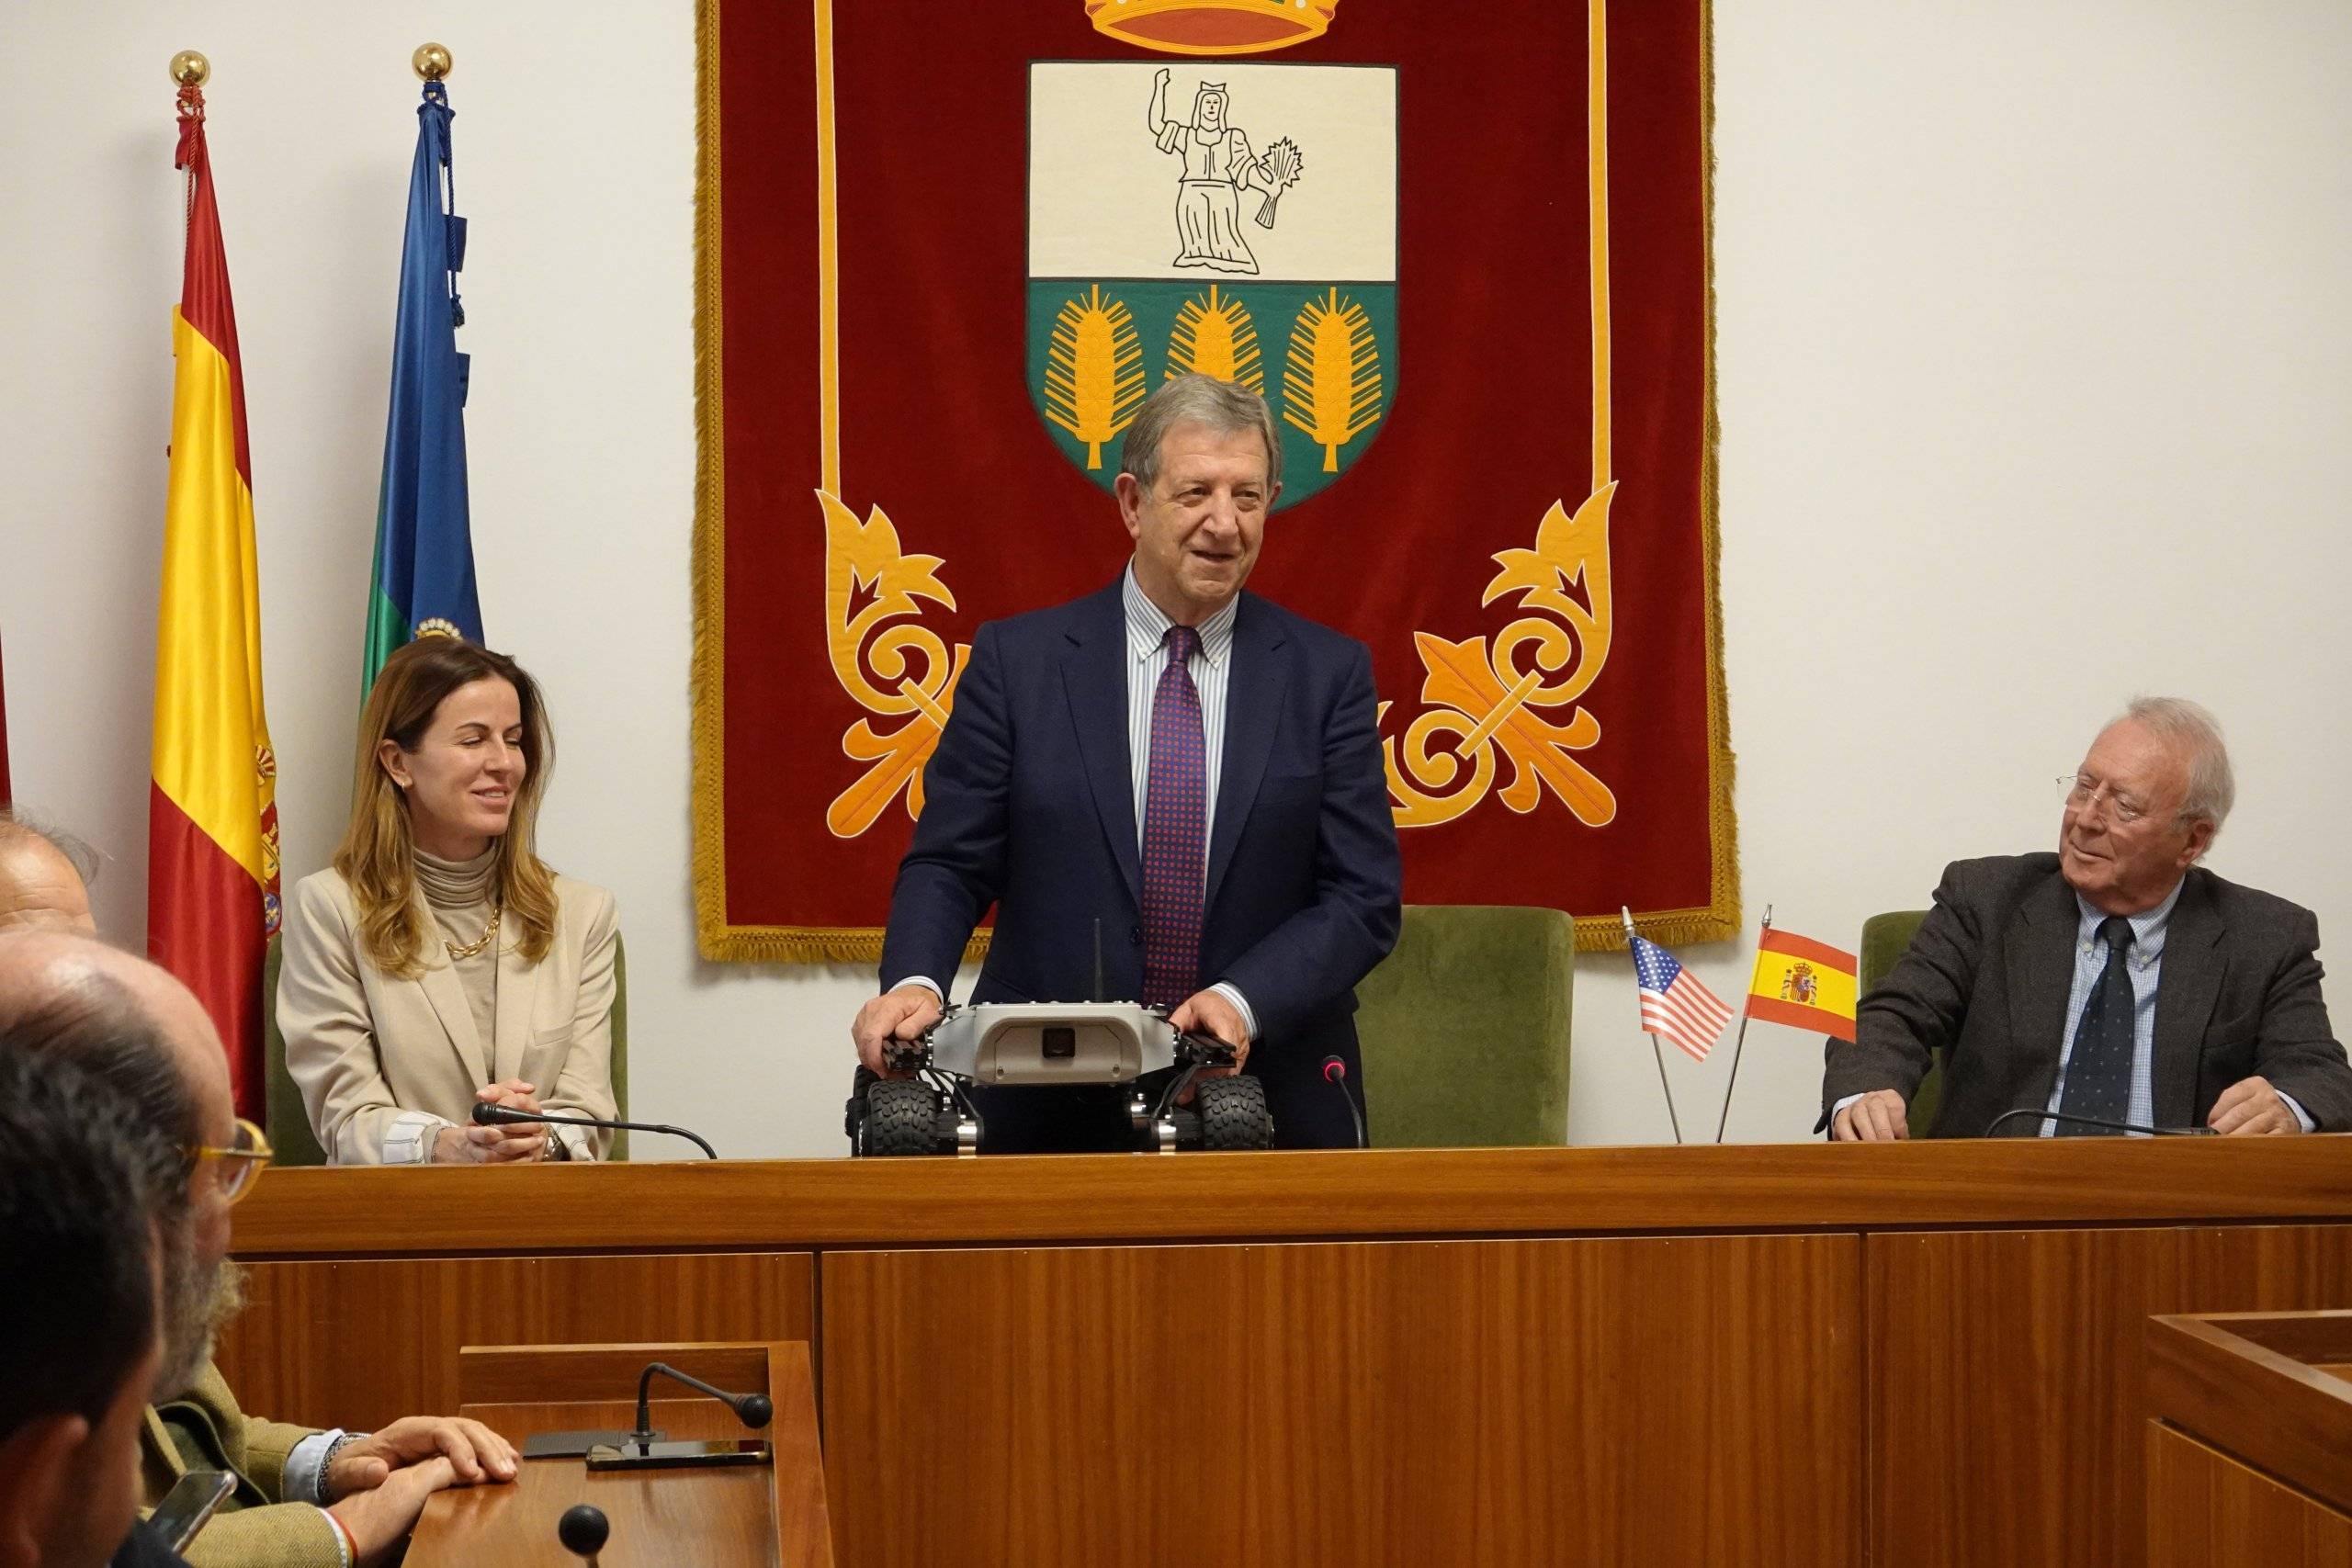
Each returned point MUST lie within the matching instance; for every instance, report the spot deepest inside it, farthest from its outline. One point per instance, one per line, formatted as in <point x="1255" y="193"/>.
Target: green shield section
<point x="1324" y="354"/>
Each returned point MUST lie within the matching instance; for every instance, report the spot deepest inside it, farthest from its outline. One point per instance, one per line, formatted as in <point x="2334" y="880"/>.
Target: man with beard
<point x="304" y="1498"/>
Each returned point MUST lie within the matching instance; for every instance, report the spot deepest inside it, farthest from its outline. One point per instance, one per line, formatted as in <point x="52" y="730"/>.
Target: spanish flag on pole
<point x="1802" y="983"/>
<point x="212" y="902"/>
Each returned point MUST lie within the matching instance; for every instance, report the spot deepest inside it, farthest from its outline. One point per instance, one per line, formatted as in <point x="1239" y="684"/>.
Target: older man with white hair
<point x="2114" y="984"/>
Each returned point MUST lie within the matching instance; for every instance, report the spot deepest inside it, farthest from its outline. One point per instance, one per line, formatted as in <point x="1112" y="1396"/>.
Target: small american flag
<point x="1675" y="1007"/>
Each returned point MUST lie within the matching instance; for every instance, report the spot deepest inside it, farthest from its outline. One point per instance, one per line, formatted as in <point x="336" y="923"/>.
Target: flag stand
<point x="1655" y="1051"/>
<point x="1725" y="1120"/>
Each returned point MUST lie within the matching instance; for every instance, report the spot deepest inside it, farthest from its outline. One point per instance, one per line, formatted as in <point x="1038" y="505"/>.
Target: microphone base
<point x="633" y="1455"/>
<point x="575" y="1444"/>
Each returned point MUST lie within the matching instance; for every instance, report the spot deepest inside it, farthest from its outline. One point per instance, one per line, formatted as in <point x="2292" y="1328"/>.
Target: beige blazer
<point x="365" y="1048"/>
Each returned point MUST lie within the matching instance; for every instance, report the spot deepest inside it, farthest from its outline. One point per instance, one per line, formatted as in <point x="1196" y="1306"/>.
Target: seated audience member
<point x="2116" y="980"/>
<point x="441" y="962"/>
<point x="44" y="878"/>
<point x="80" y="1338"/>
<point x="304" y="1498"/>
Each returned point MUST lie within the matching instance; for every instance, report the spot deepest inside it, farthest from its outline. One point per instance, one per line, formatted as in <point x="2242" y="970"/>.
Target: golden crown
<point x="1212" y="27"/>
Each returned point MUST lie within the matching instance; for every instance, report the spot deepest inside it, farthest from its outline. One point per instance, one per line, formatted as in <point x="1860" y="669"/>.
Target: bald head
<point x="40" y="886"/>
<point x="56" y="975"/>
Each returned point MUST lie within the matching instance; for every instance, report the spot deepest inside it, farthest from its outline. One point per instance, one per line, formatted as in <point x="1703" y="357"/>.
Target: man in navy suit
<point x="1187" y="768"/>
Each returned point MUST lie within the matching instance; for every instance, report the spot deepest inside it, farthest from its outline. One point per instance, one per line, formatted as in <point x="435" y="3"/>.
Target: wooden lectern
<point x="754" y="1516"/>
<point x="2250" y="1440"/>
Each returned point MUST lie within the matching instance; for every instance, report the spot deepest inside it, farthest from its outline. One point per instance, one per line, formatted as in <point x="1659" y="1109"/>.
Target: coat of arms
<point x="1240" y="222"/>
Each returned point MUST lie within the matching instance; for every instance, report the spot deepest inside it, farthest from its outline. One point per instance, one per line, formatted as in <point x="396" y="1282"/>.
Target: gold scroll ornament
<point x="1486" y="703"/>
<point x="878" y="664"/>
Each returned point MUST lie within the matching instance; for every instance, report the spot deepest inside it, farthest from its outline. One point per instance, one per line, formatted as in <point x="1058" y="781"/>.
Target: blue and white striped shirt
<point x="1212" y="670"/>
<point x="1147" y="662"/>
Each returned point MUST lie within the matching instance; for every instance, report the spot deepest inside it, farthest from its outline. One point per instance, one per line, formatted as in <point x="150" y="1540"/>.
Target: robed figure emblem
<point x="1262" y="272"/>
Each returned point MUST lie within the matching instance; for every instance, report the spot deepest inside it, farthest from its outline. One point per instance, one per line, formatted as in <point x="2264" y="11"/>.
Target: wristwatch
<point x="327" y="1465"/>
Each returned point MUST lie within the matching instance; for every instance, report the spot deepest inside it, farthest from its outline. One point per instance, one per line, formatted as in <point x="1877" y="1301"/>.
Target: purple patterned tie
<point x="1175" y="816"/>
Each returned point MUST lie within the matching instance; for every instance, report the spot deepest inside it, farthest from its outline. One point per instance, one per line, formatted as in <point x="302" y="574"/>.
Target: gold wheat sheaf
<point x="1332" y="374"/>
<point x="1094" y="378"/>
<point x="1213" y="336"/>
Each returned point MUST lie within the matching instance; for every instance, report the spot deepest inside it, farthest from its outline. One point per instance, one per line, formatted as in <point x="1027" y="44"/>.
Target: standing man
<point x="2116" y="980"/>
<point x="1185" y="768"/>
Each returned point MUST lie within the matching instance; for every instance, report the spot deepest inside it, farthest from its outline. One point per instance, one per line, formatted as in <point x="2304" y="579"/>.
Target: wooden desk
<point x="1907" y="1354"/>
<point x="2250" y="1440"/>
<point x="659" y="1519"/>
<point x="770" y="1514"/>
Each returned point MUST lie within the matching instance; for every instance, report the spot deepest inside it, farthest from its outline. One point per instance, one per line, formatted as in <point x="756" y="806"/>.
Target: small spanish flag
<point x="1802" y="983"/>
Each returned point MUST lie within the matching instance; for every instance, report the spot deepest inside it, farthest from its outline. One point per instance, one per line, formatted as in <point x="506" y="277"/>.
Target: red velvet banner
<point x="1464" y="250"/>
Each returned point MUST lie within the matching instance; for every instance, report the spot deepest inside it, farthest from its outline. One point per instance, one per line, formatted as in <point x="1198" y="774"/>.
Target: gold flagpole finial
<point x="430" y="61"/>
<point x="190" y="69"/>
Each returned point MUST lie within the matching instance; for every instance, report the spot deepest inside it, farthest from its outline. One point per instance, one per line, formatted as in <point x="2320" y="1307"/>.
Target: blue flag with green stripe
<point x="424" y="552"/>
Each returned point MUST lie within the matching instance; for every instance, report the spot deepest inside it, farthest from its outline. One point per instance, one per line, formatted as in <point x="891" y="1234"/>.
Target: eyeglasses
<point x="2079" y="790"/>
<point x="240" y="1164"/>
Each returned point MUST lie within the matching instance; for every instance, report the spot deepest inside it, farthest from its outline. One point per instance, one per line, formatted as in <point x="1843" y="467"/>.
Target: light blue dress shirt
<point x="2145" y="963"/>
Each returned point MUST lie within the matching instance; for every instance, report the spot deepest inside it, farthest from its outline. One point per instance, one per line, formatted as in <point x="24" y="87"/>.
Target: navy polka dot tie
<point x="1175" y="817"/>
<point x="2098" y="1072"/>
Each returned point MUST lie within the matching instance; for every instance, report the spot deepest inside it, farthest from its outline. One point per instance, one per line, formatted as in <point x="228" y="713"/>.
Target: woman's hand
<point x="496" y="1144"/>
<point x="513" y="1093"/>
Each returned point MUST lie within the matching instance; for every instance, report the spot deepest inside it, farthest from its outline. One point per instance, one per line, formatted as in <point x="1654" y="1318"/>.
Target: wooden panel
<point x="2206" y="1510"/>
<point x="359" y="1343"/>
<point x="1636" y="1402"/>
<point x="2006" y="1376"/>
<point x="785" y="1204"/>
<point x="2318" y="1338"/>
<point x="2292" y="1420"/>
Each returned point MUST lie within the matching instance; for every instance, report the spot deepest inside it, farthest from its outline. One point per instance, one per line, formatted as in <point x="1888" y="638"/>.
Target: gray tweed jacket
<point x="1988" y="975"/>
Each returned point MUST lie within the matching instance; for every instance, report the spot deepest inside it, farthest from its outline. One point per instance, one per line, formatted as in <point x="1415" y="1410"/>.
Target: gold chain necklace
<point x="489" y="934"/>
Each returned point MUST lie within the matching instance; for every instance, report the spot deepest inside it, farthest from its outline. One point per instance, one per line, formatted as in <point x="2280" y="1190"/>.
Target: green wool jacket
<point x="205" y="1429"/>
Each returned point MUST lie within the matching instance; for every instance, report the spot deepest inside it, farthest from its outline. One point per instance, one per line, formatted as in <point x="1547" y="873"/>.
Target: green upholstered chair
<point x="620" y="1043"/>
<point x="1464" y="1029"/>
<point x="1884" y="937"/>
<point x="290" y="1137"/>
<point x="289" y="1125"/>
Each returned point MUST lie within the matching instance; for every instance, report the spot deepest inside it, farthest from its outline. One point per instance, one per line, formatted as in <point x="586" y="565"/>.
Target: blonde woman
<point x="441" y="963"/>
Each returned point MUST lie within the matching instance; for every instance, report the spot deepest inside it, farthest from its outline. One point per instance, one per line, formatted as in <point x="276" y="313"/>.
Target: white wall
<point x="2035" y="371"/>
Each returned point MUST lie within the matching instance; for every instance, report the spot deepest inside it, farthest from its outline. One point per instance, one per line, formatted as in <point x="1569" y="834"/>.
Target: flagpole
<point x="1655" y="1051"/>
<point x="1725" y="1120"/>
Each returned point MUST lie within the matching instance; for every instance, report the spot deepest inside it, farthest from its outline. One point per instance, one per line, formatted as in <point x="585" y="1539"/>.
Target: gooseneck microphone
<point x="2097" y="1122"/>
<point x="489" y="1115"/>
<point x="754" y="1410"/>
<point x="1335" y="1072"/>
<point x="644" y="1450"/>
